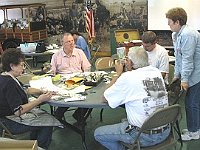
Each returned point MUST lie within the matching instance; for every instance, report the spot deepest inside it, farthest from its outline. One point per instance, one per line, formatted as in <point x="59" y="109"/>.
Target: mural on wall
<point x="130" y="14"/>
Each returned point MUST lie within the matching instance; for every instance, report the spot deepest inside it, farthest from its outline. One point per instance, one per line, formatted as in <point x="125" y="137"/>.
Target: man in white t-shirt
<point x="142" y="90"/>
<point x="158" y="55"/>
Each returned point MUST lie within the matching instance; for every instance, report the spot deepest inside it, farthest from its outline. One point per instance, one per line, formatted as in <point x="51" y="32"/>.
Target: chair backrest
<point x="163" y="116"/>
<point x="168" y="115"/>
<point x="104" y="63"/>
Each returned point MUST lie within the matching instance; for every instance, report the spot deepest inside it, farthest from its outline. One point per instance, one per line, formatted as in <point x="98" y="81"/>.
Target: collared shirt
<point x="187" y="52"/>
<point x="77" y="62"/>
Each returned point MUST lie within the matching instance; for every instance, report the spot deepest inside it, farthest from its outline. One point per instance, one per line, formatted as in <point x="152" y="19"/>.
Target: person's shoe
<point x="186" y="130"/>
<point x="187" y="136"/>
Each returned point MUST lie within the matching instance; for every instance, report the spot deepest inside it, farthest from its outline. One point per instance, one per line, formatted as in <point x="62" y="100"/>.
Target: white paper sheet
<point x="45" y="83"/>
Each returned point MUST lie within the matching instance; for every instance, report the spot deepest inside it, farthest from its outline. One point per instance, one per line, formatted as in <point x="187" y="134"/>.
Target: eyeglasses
<point x="68" y="42"/>
<point x="22" y="64"/>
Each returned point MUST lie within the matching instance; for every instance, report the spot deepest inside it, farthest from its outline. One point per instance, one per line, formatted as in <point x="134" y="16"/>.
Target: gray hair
<point x="138" y="56"/>
<point x="65" y="34"/>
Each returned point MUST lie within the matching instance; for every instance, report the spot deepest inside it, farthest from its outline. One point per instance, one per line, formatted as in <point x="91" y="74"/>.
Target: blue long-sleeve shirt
<point x="187" y="52"/>
<point x="82" y="44"/>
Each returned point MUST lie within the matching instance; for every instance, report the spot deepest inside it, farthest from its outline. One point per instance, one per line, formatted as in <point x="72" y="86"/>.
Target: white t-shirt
<point x="141" y="90"/>
<point x="159" y="58"/>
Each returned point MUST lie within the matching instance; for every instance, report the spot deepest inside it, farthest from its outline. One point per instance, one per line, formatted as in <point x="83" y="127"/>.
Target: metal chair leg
<point x="101" y="115"/>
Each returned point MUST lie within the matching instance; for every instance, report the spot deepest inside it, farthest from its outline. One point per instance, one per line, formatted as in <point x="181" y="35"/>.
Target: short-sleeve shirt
<point x="141" y="90"/>
<point x="61" y="63"/>
<point x="158" y="58"/>
<point x="11" y="96"/>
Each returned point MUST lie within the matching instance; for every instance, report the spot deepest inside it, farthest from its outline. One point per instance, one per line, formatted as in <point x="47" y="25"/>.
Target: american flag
<point x="89" y="21"/>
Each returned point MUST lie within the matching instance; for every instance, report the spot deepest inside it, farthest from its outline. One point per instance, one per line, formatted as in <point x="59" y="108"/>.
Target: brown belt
<point x="129" y="128"/>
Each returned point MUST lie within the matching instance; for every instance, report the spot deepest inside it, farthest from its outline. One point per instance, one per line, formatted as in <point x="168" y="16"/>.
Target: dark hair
<point x="11" y="56"/>
<point x="75" y="32"/>
<point x="149" y="37"/>
<point x="177" y="14"/>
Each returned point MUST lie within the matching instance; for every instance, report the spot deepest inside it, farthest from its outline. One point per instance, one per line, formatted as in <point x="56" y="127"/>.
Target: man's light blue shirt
<point x="82" y="44"/>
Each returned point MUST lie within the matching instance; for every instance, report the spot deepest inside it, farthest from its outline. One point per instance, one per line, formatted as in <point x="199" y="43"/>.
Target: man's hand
<point x="119" y="67"/>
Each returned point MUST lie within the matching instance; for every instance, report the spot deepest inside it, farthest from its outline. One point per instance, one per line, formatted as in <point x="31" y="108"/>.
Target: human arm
<point x="53" y="64"/>
<point x="82" y="44"/>
<point x="30" y="105"/>
<point x="163" y="62"/>
<point x="85" y="64"/>
<point x="33" y="91"/>
<point x="119" y="70"/>
<point x="186" y="57"/>
<point x="16" y="98"/>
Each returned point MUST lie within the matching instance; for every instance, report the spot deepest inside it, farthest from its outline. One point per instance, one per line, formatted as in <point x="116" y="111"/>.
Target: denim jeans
<point x="43" y="134"/>
<point x="111" y="136"/>
<point x="192" y="107"/>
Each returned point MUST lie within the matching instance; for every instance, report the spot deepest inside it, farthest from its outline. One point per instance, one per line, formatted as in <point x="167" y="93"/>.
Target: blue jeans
<point x="192" y="107"/>
<point x="43" y="135"/>
<point x="111" y="136"/>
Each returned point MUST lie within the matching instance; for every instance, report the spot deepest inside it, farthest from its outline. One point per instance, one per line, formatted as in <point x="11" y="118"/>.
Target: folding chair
<point x="5" y="132"/>
<point x="104" y="63"/>
<point x="167" y="115"/>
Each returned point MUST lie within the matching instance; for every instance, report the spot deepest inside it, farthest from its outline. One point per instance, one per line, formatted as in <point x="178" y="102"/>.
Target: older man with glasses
<point x="69" y="60"/>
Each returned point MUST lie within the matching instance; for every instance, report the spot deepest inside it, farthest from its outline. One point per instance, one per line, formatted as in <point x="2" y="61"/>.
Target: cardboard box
<point x="18" y="145"/>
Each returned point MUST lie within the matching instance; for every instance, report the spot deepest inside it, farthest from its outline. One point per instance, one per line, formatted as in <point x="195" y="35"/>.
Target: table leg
<point x="80" y="130"/>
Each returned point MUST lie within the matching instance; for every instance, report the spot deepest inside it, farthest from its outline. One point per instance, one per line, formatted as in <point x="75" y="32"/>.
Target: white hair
<point x="138" y="56"/>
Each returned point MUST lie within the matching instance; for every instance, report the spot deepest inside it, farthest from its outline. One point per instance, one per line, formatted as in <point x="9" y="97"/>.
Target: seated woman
<point x="14" y="101"/>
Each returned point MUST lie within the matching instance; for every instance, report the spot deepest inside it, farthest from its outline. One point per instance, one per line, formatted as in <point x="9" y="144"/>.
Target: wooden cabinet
<point x="30" y="26"/>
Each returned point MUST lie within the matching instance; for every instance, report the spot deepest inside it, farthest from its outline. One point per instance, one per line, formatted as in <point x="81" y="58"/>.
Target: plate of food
<point x="93" y="79"/>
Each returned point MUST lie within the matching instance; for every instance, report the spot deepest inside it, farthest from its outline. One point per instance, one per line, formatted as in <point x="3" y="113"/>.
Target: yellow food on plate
<point x="69" y="83"/>
<point x="56" y="78"/>
<point x="77" y="79"/>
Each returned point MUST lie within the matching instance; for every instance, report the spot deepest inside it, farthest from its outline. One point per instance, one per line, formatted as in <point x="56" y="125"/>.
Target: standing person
<point x="158" y="56"/>
<point x="142" y="90"/>
<point x="186" y="43"/>
<point x="69" y="60"/>
<point x="14" y="102"/>
<point x="81" y="43"/>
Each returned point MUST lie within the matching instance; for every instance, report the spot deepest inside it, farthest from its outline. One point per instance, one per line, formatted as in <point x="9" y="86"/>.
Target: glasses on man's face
<point x="68" y="42"/>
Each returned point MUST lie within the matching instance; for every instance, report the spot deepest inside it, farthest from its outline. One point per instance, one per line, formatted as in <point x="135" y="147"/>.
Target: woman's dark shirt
<point x="11" y="95"/>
